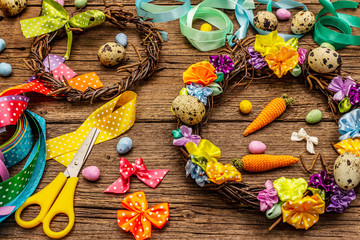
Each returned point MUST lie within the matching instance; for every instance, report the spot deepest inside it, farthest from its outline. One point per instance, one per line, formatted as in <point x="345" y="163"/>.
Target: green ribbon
<point x="54" y="17"/>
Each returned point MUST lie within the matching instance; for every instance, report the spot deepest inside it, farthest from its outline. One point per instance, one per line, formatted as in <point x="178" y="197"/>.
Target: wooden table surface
<point x="195" y="212"/>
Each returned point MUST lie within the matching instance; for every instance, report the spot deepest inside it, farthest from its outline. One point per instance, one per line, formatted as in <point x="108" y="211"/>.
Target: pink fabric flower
<point x="302" y="55"/>
<point x="187" y="137"/>
<point x="267" y="197"/>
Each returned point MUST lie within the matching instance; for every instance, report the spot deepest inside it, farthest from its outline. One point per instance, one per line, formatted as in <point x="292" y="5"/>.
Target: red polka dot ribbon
<point x="11" y="108"/>
<point x="33" y="86"/>
<point x="139" y="219"/>
<point x="150" y="177"/>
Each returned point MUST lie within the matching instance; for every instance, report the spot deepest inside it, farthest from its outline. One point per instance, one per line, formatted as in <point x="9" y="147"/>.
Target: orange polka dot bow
<point x="139" y="218"/>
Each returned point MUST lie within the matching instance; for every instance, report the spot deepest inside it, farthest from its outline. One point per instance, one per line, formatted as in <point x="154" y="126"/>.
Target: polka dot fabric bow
<point x="139" y="218"/>
<point x="150" y="177"/>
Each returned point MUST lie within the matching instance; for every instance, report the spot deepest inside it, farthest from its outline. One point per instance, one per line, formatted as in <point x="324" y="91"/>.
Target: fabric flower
<point x="345" y="105"/>
<point x="320" y="192"/>
<point x="268" y="44"/>
<point x="348" y="145"/>
<point x="303" y="213"/>
<point x="321" y="181"/>
<point x="196" y="173"/>
<point x="292" y="43"/>
<point x="205" y="149"/>
<point x="219" y="173"/>
<point x="186" y="137"/>
<point x="200" y="92"/>
<point x="340" y="87"/>
<point x="302" y="55"/>
<point x="354" y="94"/>
<point x="290" y="189"/>
<point x="283" y="61"/>
<point x="222" y="63"/>
<point x="349" y="125"/>
<point x="340" y="200"/>
<point x="267" y="197"/>
<point x="256" y="60"/>
<point x="201" y="72"/>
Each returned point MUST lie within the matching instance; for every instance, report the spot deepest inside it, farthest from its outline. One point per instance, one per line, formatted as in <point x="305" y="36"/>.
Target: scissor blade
<point x="81" y="155"/>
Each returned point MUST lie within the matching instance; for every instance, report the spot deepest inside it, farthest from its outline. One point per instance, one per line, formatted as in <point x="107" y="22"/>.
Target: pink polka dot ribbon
<point x="150" y="177"/>
<point x="63" y="70"/>
<point x="52" y="61"/>
<point x="11" y="109"/>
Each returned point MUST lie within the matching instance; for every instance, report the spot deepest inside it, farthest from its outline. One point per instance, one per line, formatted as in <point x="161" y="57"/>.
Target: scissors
<point x="50" y="206"/>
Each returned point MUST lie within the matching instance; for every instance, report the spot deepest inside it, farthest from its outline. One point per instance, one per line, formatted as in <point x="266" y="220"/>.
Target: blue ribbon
<point x="349" y="125"/>
<point x="200" y="92"/>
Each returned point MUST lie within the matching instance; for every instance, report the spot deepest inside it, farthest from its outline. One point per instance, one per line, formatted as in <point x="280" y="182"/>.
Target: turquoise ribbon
<point x="341" y="21"/>
<point x="23" y="184"/>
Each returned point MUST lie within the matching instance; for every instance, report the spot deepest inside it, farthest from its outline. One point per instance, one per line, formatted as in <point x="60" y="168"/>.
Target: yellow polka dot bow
<point x="348" y="145"/>
<point x="113" y="118"/>
<point x="55" y="17"/>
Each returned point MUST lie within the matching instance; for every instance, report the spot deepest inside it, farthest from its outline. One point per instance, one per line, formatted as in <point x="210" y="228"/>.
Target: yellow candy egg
<point x="245" y="106"/>
<point x="206" y="27"/>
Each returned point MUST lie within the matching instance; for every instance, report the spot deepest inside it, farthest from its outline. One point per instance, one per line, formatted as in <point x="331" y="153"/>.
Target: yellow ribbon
<point x="268" y="44"/>
<point x="205" y="149"/>
<point x="219" y="173"/>
<point x="113" y="118"/>
<point x="290" y="189"/>
<point x="348" y="145"/>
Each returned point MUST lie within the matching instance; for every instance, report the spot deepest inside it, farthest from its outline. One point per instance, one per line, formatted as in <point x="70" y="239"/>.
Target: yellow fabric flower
<point x="303" y="213"/>
<point x="290" y="189"/>
<point x="292" y="43"/>
<point x="219" y="173"/>
<point x="201" y="72"/>
<point x="205" y="149"/>
<point x="283" y="61"/>
<point x="268" y="44"/>
<point x="348" y="145"/>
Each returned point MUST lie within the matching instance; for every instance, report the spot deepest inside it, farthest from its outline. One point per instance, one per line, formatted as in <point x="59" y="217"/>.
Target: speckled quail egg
<point x="347" y="171"/>
<point x="111" y="54"/>
<point x="188" y="109"/>
<point x="265" y="20"/>
<point x="12" y="7"/>
<point x="324" y="60"/>
<point x="302" y="22"/>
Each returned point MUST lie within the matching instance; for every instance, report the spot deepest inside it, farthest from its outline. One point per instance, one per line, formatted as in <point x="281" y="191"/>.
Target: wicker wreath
<point x="151" y="40"/>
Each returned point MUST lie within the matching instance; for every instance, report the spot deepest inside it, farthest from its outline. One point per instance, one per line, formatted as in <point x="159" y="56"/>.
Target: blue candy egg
<point x="5" y="69"/>
<point x="2" y="44"/>
<point x="121" y="39"/>
<point x="124" y="145"/>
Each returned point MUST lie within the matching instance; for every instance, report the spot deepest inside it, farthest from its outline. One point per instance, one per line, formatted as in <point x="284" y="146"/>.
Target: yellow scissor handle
<point x="44" y="199"/>
<point x="63" y="204"/>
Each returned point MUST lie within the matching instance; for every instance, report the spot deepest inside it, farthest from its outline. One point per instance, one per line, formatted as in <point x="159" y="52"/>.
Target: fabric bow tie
<point x="200" y="92"/>
<point x="205" y="149"/>
<point x="55" y="17"/>
<point x="349" y="125"/>
<point x="150" y="177"/>
<point x="186" y="137"/>
<point x="340" y="87"/>
<point x="139" y="218"/>
<point x="310" y="141"/>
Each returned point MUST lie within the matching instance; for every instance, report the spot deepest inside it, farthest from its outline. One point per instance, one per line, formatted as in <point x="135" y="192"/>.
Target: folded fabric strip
<point x="113" y="119"/>
<point x="349" y="125"/>
<point x="33" y="86"/>
<point x="63" y="71"/>
<point x="84" y="81"/>
<point x="52" y="61"/>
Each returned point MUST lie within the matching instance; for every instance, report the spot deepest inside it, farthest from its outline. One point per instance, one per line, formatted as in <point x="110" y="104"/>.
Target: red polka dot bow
<point x="139" y="218"/>
<point x="150" y="177"/>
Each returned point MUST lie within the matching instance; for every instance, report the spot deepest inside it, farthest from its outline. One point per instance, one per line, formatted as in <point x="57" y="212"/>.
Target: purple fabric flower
<point x="340" y="87"/>
<point x="321" y="181"/>
<point x="354" y="94"/>
<point x="222" y="63"/>
<point x="302" y="55"/>
<point x="256" y="60"/>
<point x="267" y="197"/>
<point x="340" y="200"/>
<point x="187" y="137"/>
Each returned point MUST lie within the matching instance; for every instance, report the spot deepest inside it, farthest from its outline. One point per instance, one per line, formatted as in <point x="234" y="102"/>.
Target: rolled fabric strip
<point x="4" y="173"/>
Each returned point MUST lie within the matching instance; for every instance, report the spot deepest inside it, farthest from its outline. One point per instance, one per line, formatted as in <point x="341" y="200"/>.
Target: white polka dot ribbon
<point x="150" y="177"/>
<point x="113" y="119"/>
<point x="310" y="141"/>
<point x="55" y="17"/>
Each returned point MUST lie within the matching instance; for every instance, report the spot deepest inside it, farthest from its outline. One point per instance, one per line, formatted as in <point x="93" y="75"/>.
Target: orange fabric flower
<point x="201" y="72"/>
<point x="283" y="61"/>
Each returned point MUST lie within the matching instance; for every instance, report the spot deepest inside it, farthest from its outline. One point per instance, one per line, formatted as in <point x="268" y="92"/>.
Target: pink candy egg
<point x="257" y="147"/>
<point x="91" y="173"/>
<point x="283" y="14"/>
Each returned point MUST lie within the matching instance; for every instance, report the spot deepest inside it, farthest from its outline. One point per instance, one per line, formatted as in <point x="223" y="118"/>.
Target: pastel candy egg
<point x="111" y="54"/>
<point x="205" y="27"/>
<point x="121" y="39"/>
<point x="188" y="109"/>
<point x="265" y="20"/>
<point x="2" y="45"/>
<point x="245" y="106"/>
<point x="12" y="7"/>
<point x="124" y="145"/>
<point x="283" y="14"/>
<point x="91" y="173"/>
<point x="80" y="3"/>
<point x="302" y="22"/>
<point x="324" y="60"/>
<point x="314" y="116"/>
<point x="346" y="170"/>
<point x="5" y="69"/>
<point x="257" y="147"/>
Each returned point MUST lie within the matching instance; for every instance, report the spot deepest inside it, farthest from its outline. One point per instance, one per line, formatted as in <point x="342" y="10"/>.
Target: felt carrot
<point x="272" y="111"/>
<point x="263" y="162"/>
